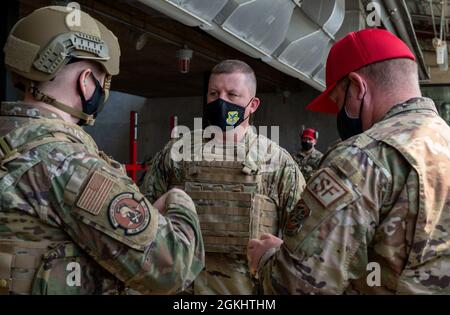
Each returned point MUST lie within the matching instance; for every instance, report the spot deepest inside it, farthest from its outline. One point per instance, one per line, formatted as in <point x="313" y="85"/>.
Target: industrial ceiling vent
<point x="292" y="36"/>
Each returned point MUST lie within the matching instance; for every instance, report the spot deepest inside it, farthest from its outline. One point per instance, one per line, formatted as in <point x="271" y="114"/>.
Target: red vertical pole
<point x="133" y="144"/>
<point x="173" y="124"/>
<point x="134" y="167"/>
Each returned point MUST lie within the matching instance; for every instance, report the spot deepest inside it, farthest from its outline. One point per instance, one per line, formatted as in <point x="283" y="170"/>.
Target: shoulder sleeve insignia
<point x="95" y="193"/>
<point x="325" y="194"/>
<point x="296" y="218"/>
<point x="326" y="188"/>
<point x="116" y="209"/>
<point x="129" y="214"/>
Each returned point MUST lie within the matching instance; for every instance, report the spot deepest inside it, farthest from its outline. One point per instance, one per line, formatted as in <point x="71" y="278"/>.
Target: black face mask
<point x="306" y="146"/>
<point x="347" y="126"/>
<point x="94" y="105"/>
<point x="223" y="114"/>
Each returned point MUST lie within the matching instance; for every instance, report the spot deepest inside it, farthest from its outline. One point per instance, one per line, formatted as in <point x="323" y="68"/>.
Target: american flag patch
<point x="95" y="193"/>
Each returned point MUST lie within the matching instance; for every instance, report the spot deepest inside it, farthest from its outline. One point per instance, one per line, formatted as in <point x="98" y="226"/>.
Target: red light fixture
<point x="184" y="57"/>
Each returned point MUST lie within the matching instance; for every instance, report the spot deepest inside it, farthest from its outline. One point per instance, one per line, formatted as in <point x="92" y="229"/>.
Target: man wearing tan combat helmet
<point x="61" y="197"/>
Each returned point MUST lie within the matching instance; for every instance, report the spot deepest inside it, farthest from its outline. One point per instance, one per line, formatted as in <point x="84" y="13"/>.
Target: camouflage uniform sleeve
<point x="156" y="179"/>
<point x="328" y="233"/>
<point x="101" y="209"/>
<point x="317" y="159"/>
<point x="289" y="186"/>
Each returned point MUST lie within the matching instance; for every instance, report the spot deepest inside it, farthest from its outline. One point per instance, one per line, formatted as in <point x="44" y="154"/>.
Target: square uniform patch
<point x="326" y="188"/>
<point x="95" y="193"/>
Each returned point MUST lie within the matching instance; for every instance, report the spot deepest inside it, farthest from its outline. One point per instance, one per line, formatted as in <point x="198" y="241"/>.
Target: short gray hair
<point x="233" y="66"/>
<point x="392" y="74"/>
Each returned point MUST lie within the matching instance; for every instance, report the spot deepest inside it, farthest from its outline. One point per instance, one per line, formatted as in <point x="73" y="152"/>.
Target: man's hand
<point x="256" y="249"/>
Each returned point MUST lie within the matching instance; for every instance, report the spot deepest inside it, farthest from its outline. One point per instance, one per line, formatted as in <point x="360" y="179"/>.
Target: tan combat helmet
<point x="47" y="39"/>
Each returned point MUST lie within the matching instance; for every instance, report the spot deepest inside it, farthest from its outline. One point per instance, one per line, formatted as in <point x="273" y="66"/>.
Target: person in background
<point x="308" y="158"/>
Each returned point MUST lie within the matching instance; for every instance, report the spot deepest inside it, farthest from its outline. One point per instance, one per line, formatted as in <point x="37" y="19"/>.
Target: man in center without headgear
<point x="237" y="198"/>
<point x="375" y="217"/>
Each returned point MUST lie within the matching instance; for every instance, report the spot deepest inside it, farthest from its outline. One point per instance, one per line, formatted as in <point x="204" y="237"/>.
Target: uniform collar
<point x="249" y="135"/>
<point x="26" y="110"/>
<point x="417" y="103"/>
<point x="304" y="154"/>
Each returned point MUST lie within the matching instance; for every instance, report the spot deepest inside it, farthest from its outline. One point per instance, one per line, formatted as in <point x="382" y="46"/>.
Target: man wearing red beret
<point x="374" y="219"/>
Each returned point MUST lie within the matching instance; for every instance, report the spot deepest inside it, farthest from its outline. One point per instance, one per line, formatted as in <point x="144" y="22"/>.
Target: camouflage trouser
<point x="224" y="277"/>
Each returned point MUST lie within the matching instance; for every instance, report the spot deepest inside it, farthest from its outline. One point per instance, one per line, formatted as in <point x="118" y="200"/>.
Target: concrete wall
<point x="291" y="115"/>
<point x="111" y="130"/>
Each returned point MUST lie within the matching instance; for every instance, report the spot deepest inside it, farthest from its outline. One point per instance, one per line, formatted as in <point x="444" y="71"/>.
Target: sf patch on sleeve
<point x="327" y="188"/>
<point x="325" y="194"/>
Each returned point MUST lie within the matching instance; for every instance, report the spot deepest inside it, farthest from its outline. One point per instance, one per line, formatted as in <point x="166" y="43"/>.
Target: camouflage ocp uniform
<point x="72" y="222"/>
<point x="375" y="217"/>
<point x="308" y="162"/>
<point x="236" y="200"/>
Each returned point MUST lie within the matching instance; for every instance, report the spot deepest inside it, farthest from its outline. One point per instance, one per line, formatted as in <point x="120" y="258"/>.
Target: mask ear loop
<point x="345" y="96"/>
<point x="80" y="92"/>
<point x="105" y="89"/>
<point x="248" y="104"/>
<point x="361" y="108"/>
<point x="361" y="105"/>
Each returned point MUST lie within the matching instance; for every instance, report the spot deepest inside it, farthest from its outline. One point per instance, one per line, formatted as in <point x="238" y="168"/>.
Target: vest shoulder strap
<point x="39" y="132"/>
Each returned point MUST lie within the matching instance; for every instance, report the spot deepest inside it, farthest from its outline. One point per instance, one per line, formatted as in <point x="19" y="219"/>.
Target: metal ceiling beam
<point x="429" y="34"/>
<point x="419" y="6"/>
<point x="425" y="17"/>
<point x="401" y="18"/>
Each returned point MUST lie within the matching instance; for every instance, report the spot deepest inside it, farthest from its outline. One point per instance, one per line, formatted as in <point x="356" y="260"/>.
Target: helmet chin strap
<point x="41" y="97"/>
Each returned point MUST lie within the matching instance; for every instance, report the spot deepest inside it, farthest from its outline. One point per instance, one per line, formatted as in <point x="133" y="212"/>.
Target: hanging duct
<point x="291" y="36"/>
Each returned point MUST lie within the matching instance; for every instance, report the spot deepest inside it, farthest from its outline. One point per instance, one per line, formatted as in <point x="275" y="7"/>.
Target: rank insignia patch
<point x="129" y="214"/>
